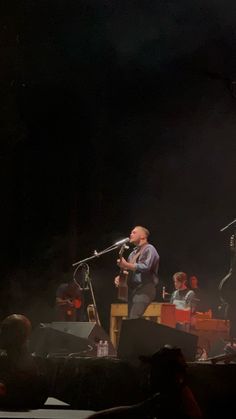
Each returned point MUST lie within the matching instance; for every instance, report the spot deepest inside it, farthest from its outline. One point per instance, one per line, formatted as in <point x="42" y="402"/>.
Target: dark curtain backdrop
<point x="114" y="114"/>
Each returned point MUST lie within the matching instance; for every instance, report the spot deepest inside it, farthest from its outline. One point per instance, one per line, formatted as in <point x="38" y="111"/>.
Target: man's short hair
<point x="145" y="230"/>
<point x="180" y="276"/>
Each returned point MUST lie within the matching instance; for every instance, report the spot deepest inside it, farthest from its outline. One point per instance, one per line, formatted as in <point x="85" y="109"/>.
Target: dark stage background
<point x="114" y="114"/>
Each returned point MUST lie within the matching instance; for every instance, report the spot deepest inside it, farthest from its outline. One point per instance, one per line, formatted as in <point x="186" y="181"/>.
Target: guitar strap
<point x="136" y="256"/>
<point x="134" y="259"/>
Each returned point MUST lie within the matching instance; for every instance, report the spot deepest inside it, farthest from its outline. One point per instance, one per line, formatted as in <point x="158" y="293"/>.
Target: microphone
<point x="123" y="241"/>
<point x="164" y="293"/>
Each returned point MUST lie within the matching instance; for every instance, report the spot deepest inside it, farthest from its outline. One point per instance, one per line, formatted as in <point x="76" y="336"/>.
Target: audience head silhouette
<point x="167" y="368"/>
<point x="22" y="385"/>
<point x="15" y="332"/>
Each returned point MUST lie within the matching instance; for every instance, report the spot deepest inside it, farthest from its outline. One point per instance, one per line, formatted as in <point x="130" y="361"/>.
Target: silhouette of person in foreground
<point x="22" y="385"/>
<point x="170" y="394"/>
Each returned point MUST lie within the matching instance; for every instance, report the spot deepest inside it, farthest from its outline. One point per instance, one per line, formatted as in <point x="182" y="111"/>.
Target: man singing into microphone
<point x="143" y="265"/>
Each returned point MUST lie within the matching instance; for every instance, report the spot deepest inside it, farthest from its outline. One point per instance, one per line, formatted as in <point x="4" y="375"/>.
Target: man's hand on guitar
<point x="76" y="303"/>
<point x="122" y="263"/>
<point x="117" y="281"/>
<point x="65" y="301"/>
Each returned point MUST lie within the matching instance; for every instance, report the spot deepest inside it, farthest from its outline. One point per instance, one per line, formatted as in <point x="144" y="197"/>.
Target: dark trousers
<point x="139" y="299"/>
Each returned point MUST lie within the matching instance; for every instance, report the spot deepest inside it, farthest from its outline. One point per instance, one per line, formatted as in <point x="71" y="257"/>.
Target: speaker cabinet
<point x="144" y="337"/>
<point x="218" y="348"/>
<point x="68" y="337"/>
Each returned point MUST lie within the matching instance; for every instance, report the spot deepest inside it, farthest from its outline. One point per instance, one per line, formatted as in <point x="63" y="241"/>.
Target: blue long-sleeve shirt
<point x="146" y="266"/>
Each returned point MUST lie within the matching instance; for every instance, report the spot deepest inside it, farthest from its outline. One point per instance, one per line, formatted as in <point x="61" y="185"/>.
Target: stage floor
<point x="54" y="409"/>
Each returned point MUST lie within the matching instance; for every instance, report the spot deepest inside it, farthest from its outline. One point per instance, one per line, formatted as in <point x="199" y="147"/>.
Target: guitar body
<point x="123" y="280"/>
<point x="123" y="287"/>
<point x="68" y="308"/>
<point x="93" y="314"/>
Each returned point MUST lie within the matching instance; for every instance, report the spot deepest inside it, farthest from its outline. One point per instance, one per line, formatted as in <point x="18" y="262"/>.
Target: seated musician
<point x="184" y="300"/>
<point x="201" y="298"/>
<point x="69" y="302"/>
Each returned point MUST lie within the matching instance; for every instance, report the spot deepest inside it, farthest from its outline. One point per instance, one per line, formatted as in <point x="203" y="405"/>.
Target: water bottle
<point x="105" y="348"/>
<point x="204" y="355"/>
<point x="100" y="348"/>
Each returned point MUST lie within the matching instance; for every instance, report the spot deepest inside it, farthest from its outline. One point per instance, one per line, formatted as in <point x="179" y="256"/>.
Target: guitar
<point x="123" y="276"/>
<point x="227" y="285"/>
<point x="93" y="314"/>
<point x="69" y="305"/>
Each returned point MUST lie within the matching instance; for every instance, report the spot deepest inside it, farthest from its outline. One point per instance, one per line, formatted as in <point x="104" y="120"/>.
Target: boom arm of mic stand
<point x="97" y="254"/>
<point x="228" y="225"/>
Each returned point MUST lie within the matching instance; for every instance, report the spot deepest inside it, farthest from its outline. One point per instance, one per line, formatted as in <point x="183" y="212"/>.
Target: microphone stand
<point x="93" y="299"/>
<point x="88" y="282"/>
<point x="227" y="226"/>
<point x="97" y="254"/>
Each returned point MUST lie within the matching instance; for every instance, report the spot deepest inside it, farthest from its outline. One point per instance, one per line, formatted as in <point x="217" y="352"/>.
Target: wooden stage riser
<point x="209" y="331"/>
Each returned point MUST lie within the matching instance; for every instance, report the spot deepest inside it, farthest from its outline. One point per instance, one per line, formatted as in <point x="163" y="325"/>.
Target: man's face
<point x="178" y="284"/>
<point x="136" y="235"/>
